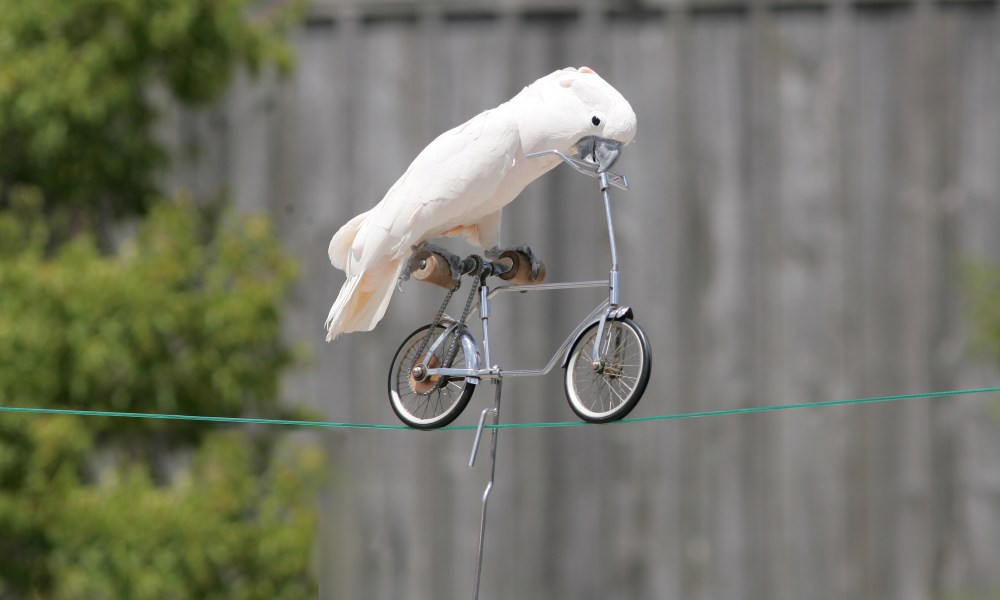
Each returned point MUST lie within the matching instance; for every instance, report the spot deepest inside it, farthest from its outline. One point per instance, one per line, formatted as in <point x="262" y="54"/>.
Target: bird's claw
<point x="536" y="265"/>
<point x="454" y="261"/>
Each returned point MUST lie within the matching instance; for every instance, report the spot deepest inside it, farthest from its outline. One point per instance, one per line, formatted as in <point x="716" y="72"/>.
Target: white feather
<point x="460" y="182"/>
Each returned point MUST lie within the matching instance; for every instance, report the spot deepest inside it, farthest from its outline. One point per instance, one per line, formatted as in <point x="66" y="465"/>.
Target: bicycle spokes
<point x="605" y="386"/>
<point x="428" y="401"/>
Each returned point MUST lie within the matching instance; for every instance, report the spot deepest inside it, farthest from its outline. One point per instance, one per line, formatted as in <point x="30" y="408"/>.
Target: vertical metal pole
<point x="484" y="314"/>
<point x="613" y="276"/>
<point x="497" y="383"/>
<point x="611" y="228"/>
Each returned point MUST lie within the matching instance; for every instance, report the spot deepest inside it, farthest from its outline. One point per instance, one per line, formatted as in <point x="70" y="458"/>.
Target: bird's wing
<point x="452" y="176"/>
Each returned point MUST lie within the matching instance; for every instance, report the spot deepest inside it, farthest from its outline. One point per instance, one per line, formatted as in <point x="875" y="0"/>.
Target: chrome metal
<point x="615" y="294"/>
<point x="619" y="312"/>
<point x="613" y="284"/>
<point x="541" y="287"/>
<point x="467" y="373"/>
<point x="433" y="346"/>
<point x="489" y="484"/>
<point x="601" y="309"/>
<point x="474" y="368"/>
<point x="484" y="312"/>
<point x="596" y="355"/>
<point x="479" y="435"/>
<point x="484" y="307"/>
<point x="611" y="231"/>
<point x="471" y="350"/>
<point x="600" y="314"/>
<point x="588" y="169"/>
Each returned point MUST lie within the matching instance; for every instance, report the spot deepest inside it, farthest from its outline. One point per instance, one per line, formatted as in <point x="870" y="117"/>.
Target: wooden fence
<point x="808" y="179"/>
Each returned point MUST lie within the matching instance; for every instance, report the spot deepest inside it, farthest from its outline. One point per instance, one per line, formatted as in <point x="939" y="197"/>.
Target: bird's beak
<point x="599" y="151"/>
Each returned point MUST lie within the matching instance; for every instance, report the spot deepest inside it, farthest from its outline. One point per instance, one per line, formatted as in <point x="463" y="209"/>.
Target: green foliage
<point x="984" y="286"/>
<point x="78" y="81"/>
<point x="185" y="318"/>
<point x="181" y="319"/>
<point x="983" y="283"/>
<point x="238" y="535"/>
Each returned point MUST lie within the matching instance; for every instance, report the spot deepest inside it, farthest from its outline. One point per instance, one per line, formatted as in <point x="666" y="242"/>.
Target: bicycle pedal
<point x="432" y="268"/>
<point x="520" y="268"/>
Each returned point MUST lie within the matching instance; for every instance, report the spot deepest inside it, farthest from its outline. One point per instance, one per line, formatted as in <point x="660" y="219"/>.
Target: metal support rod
<point x="479" y="435"/>
<point x="613" y="277"/>
<point x="484" y="314"/>
<point x="497" y="383"/>
<point x="611" y="229"/>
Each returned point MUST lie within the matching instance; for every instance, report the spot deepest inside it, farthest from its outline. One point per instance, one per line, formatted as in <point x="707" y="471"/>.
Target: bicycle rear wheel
<point x="606" y="387"/>
<point x="435" y="401"/>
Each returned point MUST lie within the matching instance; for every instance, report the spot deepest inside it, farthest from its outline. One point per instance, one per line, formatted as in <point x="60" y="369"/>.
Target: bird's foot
<point x="421" y="251"/>
<point x="533" y="271"/>
<point x="433" y="264"/>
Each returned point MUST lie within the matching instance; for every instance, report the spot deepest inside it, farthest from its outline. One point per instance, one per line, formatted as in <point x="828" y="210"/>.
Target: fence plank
<point x="805" y="184"/>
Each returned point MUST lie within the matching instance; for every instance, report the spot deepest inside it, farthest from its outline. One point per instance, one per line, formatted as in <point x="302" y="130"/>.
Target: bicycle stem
<point x="613" y="276"/>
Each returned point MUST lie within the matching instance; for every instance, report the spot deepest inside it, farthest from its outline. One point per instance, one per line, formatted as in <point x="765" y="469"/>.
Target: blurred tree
<point x="184" y="317"/>
<point x="984" y="287"/>
<point x="78" y="81"/>
<point x="983" y="283"/>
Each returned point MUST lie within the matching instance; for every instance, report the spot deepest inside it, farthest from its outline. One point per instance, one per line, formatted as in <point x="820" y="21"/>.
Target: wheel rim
<point x="602" y="389"/>
<point x="426" y="402"/>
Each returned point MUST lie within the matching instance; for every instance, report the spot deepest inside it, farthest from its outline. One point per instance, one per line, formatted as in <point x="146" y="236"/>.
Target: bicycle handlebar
<point x="588" y="169"/>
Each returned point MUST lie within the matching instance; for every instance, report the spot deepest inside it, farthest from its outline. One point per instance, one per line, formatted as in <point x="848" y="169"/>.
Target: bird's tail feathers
<point x="363" y="299"/>
<point x="343" y="240"/>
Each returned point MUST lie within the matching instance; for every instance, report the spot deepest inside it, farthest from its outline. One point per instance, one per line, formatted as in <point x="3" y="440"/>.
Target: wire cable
<point x="540" y="425"/>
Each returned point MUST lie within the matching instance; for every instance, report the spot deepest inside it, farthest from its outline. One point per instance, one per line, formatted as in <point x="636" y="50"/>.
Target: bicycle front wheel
<point x="433" y="401"/>
<point x="605" y="385"/>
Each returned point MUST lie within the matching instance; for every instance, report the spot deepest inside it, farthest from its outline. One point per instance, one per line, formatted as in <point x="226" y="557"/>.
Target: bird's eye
<point x="595" y="120"/>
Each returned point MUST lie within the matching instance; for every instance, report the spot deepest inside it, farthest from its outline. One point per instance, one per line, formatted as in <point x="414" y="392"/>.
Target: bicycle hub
<point x="419" y="372"/>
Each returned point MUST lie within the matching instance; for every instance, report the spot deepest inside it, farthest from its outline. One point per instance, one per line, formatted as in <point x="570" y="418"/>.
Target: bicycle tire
<point x="610" y="389"/>
<point x="432" y="403"/>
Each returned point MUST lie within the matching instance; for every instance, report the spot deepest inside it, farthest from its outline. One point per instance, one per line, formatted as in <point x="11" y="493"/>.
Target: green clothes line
<point x="334" y="425"/>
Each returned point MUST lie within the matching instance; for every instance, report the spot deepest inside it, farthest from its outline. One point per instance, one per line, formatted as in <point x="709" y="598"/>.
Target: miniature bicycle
<point x="437" y="368"/>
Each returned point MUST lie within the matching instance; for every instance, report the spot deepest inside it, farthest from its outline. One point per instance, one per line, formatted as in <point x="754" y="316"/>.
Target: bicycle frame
<point x="609" y="308"/>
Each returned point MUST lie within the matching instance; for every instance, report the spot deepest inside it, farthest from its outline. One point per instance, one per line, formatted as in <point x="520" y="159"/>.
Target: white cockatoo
<point x="459" y="183"/>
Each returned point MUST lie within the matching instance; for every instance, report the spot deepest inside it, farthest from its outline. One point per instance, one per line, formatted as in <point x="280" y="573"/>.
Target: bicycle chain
<point x="437" y="321"/>
<point x="453" y="346"/>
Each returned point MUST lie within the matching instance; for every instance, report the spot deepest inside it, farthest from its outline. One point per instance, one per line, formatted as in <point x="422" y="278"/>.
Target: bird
<point x="458" y="185"/>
